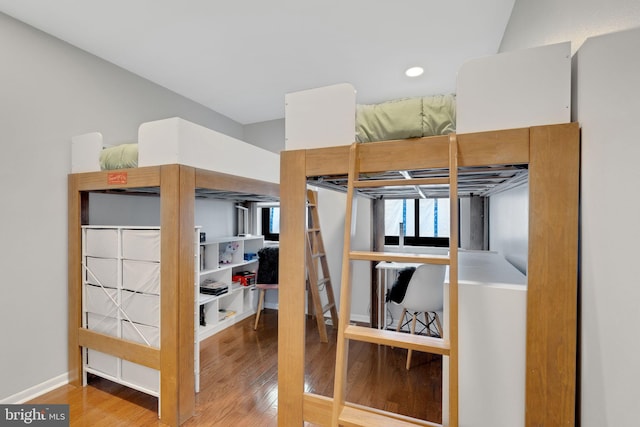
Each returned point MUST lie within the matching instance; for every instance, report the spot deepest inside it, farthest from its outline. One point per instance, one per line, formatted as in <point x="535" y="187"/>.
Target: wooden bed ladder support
<point x="344" y="413"/>
<point x="315" y="254"/>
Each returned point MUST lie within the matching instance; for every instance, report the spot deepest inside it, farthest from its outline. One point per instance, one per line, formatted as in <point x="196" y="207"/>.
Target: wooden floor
<point x="239" y="382"/>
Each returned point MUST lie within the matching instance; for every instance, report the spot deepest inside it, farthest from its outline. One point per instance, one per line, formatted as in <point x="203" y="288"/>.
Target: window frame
<point x="414" y="239"/>
<point x="265" y="221"/>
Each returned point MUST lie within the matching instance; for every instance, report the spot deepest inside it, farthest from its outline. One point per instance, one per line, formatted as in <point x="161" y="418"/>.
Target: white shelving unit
<point x="121" y="297"/>
<point x="219" y="312"/>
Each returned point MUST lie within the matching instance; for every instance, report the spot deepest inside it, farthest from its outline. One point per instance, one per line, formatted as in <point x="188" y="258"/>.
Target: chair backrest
<point x="425" y="289"/>
<point x="268" y="259"/>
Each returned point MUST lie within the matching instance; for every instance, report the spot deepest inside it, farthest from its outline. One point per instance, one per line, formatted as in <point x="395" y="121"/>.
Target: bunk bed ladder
<point x="316" y="281"/>
<point x="349" y="414"/>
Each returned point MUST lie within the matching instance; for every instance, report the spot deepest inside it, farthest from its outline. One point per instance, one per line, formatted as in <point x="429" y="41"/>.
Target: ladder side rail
<point x="453" y="281"/>
<point x="324" y="265"/>
<point x="312" y="277"/>
<point x="342" y="345"/>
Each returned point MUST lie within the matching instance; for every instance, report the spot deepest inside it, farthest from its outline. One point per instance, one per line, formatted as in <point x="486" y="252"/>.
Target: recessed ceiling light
<point x="414" y="71"/>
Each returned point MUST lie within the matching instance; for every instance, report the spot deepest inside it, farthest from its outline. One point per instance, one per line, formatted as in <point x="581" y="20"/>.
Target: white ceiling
<point x="240" y="57"/>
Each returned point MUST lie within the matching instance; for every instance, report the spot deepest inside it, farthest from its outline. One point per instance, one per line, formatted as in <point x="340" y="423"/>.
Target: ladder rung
<point x="399" y="257"/>
<point x="397" y="339"/>
<point x="323" y="281"/>
<point x="327" y="307"/>
<point x="371" y="183"/>
<point x="317" y="255"/>
<point x="313" y="230"/>
<point x="359" y="416"/>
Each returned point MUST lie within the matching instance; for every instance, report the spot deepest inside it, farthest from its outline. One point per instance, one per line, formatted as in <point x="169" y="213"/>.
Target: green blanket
<point x="406" y="118"/>
<point x="119" y="157"/>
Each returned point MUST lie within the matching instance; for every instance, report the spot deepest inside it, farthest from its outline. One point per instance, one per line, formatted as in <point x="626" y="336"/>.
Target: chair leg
<point x="260" y="304"/>
<point x="438" y="325"/>
<point x="404" y="311"/>
<point x="413" y="331"/>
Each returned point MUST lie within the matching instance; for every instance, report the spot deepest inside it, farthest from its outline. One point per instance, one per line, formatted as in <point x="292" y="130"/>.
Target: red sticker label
<point x="117" y="178"/>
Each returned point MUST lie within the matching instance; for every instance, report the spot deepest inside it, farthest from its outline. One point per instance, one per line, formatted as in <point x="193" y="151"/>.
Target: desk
<point x="492" y="301"/>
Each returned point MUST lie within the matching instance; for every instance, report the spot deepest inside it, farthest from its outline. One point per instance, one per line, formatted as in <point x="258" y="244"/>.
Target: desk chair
<point x="424" y="295"/>
<point x="267" y="277"/>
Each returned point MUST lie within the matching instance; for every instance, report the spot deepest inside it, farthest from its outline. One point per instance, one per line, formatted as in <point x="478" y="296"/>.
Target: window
<point x="426" y="222"/>
<point x="271" y="223"/>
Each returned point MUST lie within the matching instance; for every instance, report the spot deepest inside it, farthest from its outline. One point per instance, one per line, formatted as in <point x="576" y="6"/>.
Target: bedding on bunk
<point x="406" y="118"/>
<point x="121" y="156"/>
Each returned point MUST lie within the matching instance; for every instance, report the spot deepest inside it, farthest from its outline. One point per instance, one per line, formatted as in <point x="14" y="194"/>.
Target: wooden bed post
<point x="554" y="169"/>
<point x="76" y="216"/>
<point x="177" y="390"/>
<point x="186" y="300"/>
<point x="291" y="317"/>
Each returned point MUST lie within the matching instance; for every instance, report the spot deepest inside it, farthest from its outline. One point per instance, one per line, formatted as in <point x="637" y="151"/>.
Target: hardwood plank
<point x="397" y="339"/>
<point x="552" y="275"/>
<point x="400" y="182"/>
<point x="186" y="295"/>
<point x="74" y="286"/>
<point x="454" y="151"/>
<point x="359" y="417"/>
<point x="129" y="350"/>
<point x="342" y="348"/>
<point x="500" y="147"/>
<point x="239" y="384"/>
<point x="220" y="181"/>
<point x="126" y="178"/>
<point x="292" y="280"/>
<point x="399" y="257"/>
<point x="169" y="293"/>
<point x="406" y="154"/>
<point x="509" y="146"/>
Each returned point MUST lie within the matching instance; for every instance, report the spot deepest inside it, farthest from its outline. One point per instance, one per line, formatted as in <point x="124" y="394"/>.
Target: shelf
<point x="236" y="264"/>
<point x="205" y="298"/>
<point x="217" y="240"/>
<point x="238" y="299"/>
<point x="211" y="329"/>
<point x="222" y="267"/>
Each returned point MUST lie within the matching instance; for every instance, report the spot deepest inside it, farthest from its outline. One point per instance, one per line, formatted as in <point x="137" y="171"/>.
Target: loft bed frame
<point x="551" y="156"/>
<point x="178" y="186"/>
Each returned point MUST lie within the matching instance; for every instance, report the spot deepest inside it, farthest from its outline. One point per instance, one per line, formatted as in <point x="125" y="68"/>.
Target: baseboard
<point x="360" y="318"/>
<point x="37" y="390"/>
<point x="271" y="305"/>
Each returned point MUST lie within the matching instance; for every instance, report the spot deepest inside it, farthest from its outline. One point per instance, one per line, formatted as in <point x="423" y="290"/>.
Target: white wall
<point x="216" y="217"/>
<point x="509" y="225"/>
<point x="542" y="22"/>
<point x="331" y="209"/>
<point x="268" y="135"/>
<point x="606" y="93"/>
<point x="49" y="92"/>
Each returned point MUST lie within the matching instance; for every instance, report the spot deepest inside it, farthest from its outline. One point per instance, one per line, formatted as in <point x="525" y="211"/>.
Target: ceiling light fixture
<point x="414" y="71"/>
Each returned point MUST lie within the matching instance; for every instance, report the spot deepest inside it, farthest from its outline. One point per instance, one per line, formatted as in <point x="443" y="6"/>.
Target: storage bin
<point x="98" y="301"/>
<point x="139" y="375"/>
<point x="141" y="308"/>
<point x="102" y="271"/>
<point x="141" y="276"/>
<point x="101" y="242"/>
<point x="141" y="245"/>
<point x="102" y="362"/>
<point x="150" y="333"/>
<point x="103" y="324"/>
